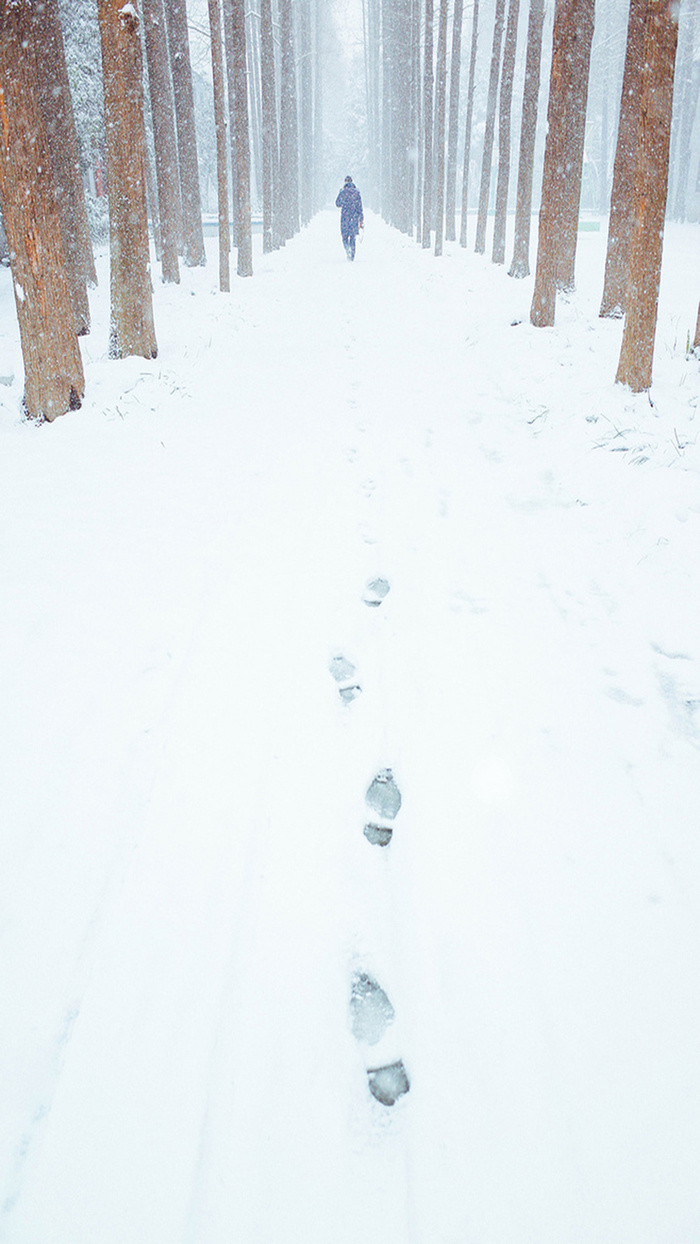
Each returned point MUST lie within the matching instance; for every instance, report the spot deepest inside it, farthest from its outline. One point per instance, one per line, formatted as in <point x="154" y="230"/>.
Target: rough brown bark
<point x="289" y="126"/>
<point x="650" y="193"/>
<point x="54" y="381"/>
<point x="59" y="123"/>
<point x="520" y="266"/>
<point x="428" y="81"/>
<point x="572" y="25"/>
<point x="579" y="70"/>
<point x="270" y="152"/>
<point x="485" y="187"/>
<point x="440" y="104"/>
<point x="235" y="39"/>
<point x="453" y="124"/>
<point x="468" y="124"/>
<point x="498" y="253"/>
<point x="217" y="67"/>
<point x="131" y="327"/>
<point x="181" y="69"/>
<point x="620" y="223"/>
<point x="164" y="140"/>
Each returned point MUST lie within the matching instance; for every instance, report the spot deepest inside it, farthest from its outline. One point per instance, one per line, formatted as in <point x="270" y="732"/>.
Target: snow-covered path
<point x="186" y="889"/>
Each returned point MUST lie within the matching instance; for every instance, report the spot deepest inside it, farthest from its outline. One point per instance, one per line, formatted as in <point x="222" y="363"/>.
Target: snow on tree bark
<point x="620" y="223"/>
<point x="59" y="124"/>
<point x="650" y="193"/>
<point x="572" y="36"/>
<point x="164" y="139"/>
<point x="520" y="265"/>
<point x="236" y="61"/>
<point x="498" y="253"/>
<point x="453" y="123"/>
<point x="131" y="328"/>
<point x="217" y="67"/>
<point x="468" y="124"/>
<point x="193" y="254"/>
<point x="54" y="380"/>
<point x="487" y="155"/>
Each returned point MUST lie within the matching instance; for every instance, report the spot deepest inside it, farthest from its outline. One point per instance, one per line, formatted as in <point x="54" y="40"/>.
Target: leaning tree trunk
<point x="235" y="37"/>
<point x="53" y="369"/>
<point x="520" y="265"/>
<point x="217" y="68"/>
<point x="164" y="140"/>
<point x="650" y="192"/>
<point x="289" y="125"/>
<point x="498" y="253"/>
<point x="571" y="17"/>
<point x="453" y="124"/>
<point x="440" y="103"/>
<point x="59" y="124"/>
<point x="485" y="187"/>
<point x="620" y="223"/>
<point x="428" y="125"/>
<point x="468" y="124"/>
<point x="131" y="324"/>
<point x="579" y="68"/>
<point x="194" y="254"/>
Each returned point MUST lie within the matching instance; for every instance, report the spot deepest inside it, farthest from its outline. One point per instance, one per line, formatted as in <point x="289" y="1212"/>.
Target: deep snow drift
<point x="207" y="965"/>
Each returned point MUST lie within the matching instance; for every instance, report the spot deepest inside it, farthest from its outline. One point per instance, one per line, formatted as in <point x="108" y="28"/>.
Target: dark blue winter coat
<point x="350" y="203"/>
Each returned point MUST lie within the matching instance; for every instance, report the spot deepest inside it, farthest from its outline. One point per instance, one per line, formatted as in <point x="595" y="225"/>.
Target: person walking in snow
<point x="351" y="218"/>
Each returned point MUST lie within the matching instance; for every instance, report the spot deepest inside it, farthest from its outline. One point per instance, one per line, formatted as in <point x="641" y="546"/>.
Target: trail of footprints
<point x="371" y="1011"/>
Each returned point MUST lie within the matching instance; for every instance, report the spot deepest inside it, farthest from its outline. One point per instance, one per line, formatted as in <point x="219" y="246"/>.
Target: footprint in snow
<point x="376" y="591"/>
<point x="383" y="797"/>
<point x="371" y="1013"/>
<point x="343" y="671"/>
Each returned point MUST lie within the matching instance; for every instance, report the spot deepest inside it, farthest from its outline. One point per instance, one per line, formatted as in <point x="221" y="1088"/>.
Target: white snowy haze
<point x="350" y="763"/>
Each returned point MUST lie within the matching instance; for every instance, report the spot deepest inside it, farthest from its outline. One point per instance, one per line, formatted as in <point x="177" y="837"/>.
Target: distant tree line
<point x="418" y="102"/>
<point x="267" y="105"/>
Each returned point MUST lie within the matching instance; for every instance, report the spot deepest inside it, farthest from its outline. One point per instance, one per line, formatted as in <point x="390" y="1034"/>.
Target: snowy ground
<point x="186" y="893"/>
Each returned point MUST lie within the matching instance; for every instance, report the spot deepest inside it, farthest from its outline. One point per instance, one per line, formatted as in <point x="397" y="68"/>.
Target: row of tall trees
<point x="414" y="116"/>
<point x="266" y="88"/>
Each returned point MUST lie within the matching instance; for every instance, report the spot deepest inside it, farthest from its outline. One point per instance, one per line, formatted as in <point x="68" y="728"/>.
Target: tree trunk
<point x="573" y="28"/>
<point x="485" y="187"/>
<point x="498" y="253"/>
<point x="164" y="141"/>
<point x="319" y="191"/>
<point x="579" y="69"/>
<point x="696" y="343"/>
<point x="235" y="37"/>
<point x="194" y="254"/>
<point x="254" y="103"/>
<point x="53" y="369"/>
<point x="440" y="103"/>
<point x="59" y="124"/>
<point x="306" y="114"/>
<point x="650" y="192"/>
<point x="387" y="111"/>
<point x="270" y="154"/>
<point x="468" y="125"/>
<point x="520" y="266"/>
<point x="217" y="67"/>
<point x="689" y="85"/>
<point x="401" y="63"/>
<point x="620" y="223"/>
<point x="289" y="126"/>
<point x="453" y="126"/>
<point x="428" y="124"/>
